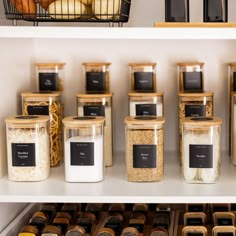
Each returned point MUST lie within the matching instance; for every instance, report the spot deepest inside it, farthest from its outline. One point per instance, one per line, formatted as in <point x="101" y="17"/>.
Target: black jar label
<point x="224" y="221"/>
<point x="192" y="81"/>
<point x="23" y="154"/>
<point x="82" y="154"/>
<point x="94" y="110"/>
<point x="116" y="226"/>
<point x="144" y="156"/>
<point x="146" y="109"/>
<point x="195" y="208"/>
<point x="48" y="81"/>
<point x="225" y="234"/>
<point x="201" y="156"/>
<point x="195" y="234"/>
<point x="38" y="110"/>
<point x="194" y="221"/>
<point x="95" y="81"/>
<point x="86" y="224"/>
<point x="143" y="81"/>
<point x="138" y="224"/>
<point x="195" y="110"/>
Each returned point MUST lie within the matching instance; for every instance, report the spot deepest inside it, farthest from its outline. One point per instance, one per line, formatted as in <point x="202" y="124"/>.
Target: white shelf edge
<point x="44" y="32"/>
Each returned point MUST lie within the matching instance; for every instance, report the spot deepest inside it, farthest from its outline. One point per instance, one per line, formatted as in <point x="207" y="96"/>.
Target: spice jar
<point x="144" y="148"/>
<point x="114" y="221"/>
<point x="87" y="221"/>
<point x="201" y="153"/>
<point x="75" y="230"/>
<point x="27" y="148"/>
<point x="223" y="230"/>
<point x="194" y="218"/>
<point x="99" y="105"/>
<point x="223" y="218"/>
<point x="150" y="104"/>
<point x="49" y="76"/>
<point x="143" y="77"/>
<point x="96" y="77"/>
<point x="50" y="230"/>
<point x="49" y="103"/>
<point x="190" y="76"/>
<point x="130" y="231"/>
<point x="83" y="141"/>
<point x="194" y="230"/>
<point x="39" y="220"/>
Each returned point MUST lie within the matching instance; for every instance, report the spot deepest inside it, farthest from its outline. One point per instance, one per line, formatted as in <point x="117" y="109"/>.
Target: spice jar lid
<point x="143" y="64"/>
<point x="96" y="63"/>
<point x="201" y="121"/>
<point x="75" y="228"/>
<point x="51" y="229"/>
<point x="155" y="94"/>
<point x="223" y="229"/>
<point x="89" y="95"/>
<point x="130" y="231"/>
<point x="45" y="94"/>
<point x="190" y="63"/>
<point x="197" y="94"/>
<point x="138" y="120"/>
<point x="50" y="65"/>
<point x="31" y="119"/>
<point x="29" y="229"/>
<point x="85" y="120"/>
<point x="106" y="231"/>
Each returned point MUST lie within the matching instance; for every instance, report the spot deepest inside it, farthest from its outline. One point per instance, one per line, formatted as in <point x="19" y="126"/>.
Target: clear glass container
<point x="99" y="105"/>
<point x="50" y="76"/>
<point x="190" y="76"/>
<point x="148" y="104"/>
<point x="144" y="148"/>
<point x="96" y="77"/>
<point x="233" y="128"/>
<point x="27" y="148"/>
<point x="143" y="77"/>
<point x="201" y="149"/>
<point x="49" y="103"/>
<point x="83" y="141"/>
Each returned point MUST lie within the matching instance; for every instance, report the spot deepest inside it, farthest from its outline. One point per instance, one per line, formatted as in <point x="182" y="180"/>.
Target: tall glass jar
<point x="201" y="149"/>
<point x="96" y="77"/>
<point x="99" y="105"/>
<point x="83" y="141"/>
<point x="146" y="104"/>
<point x="190" y="76"/>
<point x="49" y="103"/>
<point x="27" y="148"/>
<point x="50" y="76"/>
<point x="143" y="77"/>
<point x="144" y="148"/>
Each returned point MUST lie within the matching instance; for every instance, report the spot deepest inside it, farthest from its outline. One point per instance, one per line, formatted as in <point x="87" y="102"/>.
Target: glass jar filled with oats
<point x="144" y="144"/>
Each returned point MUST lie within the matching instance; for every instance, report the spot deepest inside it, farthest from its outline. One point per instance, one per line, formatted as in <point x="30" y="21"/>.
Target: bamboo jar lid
<point x="147" y="120"/>
<point x="50" y="65"/>
<point x="201" y="121"/>
<point x="31" y="119"/>
<point x="75" y="121"/>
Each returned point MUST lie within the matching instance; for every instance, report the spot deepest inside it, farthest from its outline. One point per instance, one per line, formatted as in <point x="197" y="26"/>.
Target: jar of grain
<point x="148" y="104"/>
<point x="83" y="141"/>
<point x="143" y="77"/>
<point x="233" y="128"/>
<point x="201" y="149"/>
<point x="190" y="76"/>
<point x="49" y="103"/>
<point x="144" y="148"/>
<point x="27" y="148"/>
<point x="96" y="77"/>
<point x="99" y="105"/>
<point x="49" y="76"/>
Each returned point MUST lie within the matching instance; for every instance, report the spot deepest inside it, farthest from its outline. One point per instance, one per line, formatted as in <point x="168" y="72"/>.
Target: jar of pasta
<point x="99" y="105"/>
<point x="143" y="77"/>
<point x="49" y="76"/>
<point x="190" y="76"/>
<point x="96" y="77"/>
<point x="201" y="149"/>
<point x="27" y="148"/>
<point x="49" y="103"/>
<point x="146" y="104"/>
<point x="144" y="148"/>
<point x="83" y="141"/>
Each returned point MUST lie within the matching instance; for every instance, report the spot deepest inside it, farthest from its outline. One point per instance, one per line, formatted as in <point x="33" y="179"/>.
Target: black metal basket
<point x="112" y="11"/>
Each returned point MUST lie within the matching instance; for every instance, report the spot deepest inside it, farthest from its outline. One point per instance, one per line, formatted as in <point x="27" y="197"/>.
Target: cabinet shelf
<point x="115" y="187"/>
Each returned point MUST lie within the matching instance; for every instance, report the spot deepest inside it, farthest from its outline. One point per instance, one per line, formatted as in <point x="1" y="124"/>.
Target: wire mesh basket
<point x="112" y="11"/>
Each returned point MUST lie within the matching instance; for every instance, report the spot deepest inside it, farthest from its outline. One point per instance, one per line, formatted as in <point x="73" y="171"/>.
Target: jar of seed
<point x="144" y="148"/>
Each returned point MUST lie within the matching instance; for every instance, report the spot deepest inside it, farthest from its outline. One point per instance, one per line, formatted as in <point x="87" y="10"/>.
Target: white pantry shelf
<point x="45" y="32"/>
<point x="115" y="187"/>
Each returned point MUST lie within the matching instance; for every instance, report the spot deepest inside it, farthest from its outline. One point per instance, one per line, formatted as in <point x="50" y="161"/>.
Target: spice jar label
<point x="145" y="109"/>
<point x="48" y="81"/>
<point x="144" y="156"/>
<point x="38" y="110"/>
<point x="194" y="234"/>
<point x="82" y="153"/>
<point x="194" y="221"/>
<point x="94" y="110"/>
<point x="23" y="154"/>
<point x="115" y="226"/>
<point x="224" y="221"/>
<point x="143" y="81"/>
<point x="201" y="156"/>
<point x="192" y="81"/>
<point x="225" y="234"/>
<point x="95" y="81"/>
<point x="195" y="110"/>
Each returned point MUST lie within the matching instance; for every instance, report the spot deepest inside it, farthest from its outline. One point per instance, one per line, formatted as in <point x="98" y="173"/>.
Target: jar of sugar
<point x="201" y="149"/>
<point x="83" y="144"/>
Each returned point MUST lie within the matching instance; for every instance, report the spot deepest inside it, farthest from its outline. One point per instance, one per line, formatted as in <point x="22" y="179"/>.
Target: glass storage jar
<point x="150" y="104"/>
<point x="201" y="149"/>
<point x="27" y="148"/>
<point x="96" y="77"/>
<point x="83" y="142"/>
<point x="190" y="76"/>
<point x="50" y="76"/>
<point x="99" y="105"/>
<point x="49" y="103"/>
<point x="144" y="148"/>
<point x="143" y="77"/>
